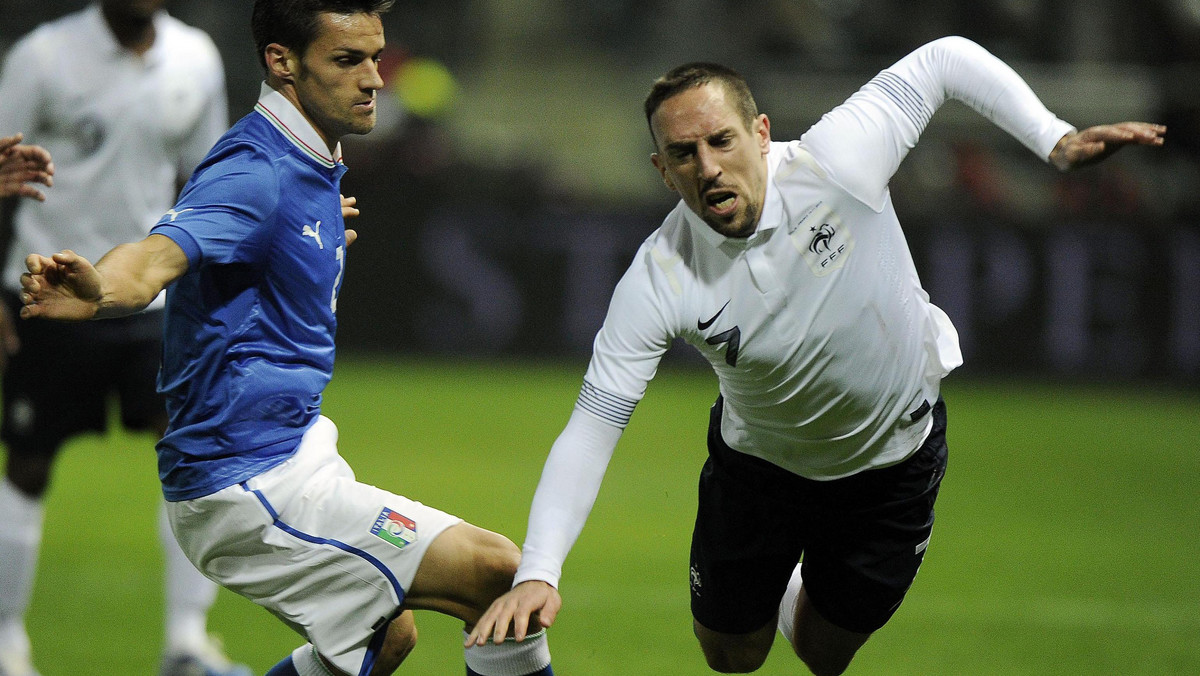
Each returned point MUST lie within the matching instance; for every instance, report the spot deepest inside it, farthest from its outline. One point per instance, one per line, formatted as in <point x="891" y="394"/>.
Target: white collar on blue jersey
<point x="285" y="117"/>
<point x="771" y="217"/>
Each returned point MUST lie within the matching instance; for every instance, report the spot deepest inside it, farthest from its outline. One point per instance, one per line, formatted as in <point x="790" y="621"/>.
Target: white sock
<point x="307" y="663"/>
<point x="20" y="539"/>
<point x="189" y="595"/>
<point x="509" y="658"/>
<point x="787" y="606"/>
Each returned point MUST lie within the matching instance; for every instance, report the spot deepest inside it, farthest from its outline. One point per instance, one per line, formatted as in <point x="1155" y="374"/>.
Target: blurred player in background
<point x="254" y="252"/>
<point x="128" y="100"/>
<point x="785" y="265"/>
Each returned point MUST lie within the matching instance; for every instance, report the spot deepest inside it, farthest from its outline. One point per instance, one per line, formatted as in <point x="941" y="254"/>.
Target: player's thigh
<point x="463" y="571"/>
<point x="863" y="559"/>
<point x="825" y="647"/>
<point x="747" y="539"/>
<point x="134" y="373"/>
<point x="51" y="393"/>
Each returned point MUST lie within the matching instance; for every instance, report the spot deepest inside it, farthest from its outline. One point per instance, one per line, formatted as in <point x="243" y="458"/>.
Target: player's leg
<point x="823" y="646"/>
<point x="463" y="571"/>
<point x="33" y="426"/>
<point x="21" y="517"/>
<point x="744" y="547"/>
<point x="861" y="563"/>
<point x="361" y="549"/>
<point x="130" y="356"/>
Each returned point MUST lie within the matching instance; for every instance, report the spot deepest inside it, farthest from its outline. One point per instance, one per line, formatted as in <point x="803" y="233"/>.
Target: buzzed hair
<point x="697" y="74"/>
<point x="293" y="23"/>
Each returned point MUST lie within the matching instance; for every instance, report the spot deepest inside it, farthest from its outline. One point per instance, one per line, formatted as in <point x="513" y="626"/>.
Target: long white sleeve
<point x="862" y="142"/>
<point x="565" y="494"/>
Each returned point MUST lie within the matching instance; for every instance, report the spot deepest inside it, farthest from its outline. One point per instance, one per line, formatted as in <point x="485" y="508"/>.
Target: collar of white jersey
<point x="103" y="38"/>
<point x="290" y="122"/>
<point x="772" y="214"/>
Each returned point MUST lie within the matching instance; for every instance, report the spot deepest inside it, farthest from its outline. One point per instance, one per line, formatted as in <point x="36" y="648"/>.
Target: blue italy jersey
<point x="249" y="329"/>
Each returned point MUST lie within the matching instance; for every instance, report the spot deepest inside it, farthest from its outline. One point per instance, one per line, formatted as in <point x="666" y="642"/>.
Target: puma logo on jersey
<point x="315" y="234"/>
<point x="175" y="214"/>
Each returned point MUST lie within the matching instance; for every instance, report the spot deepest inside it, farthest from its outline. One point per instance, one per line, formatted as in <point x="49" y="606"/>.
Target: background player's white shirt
<point x="837" y="343"/>
<point x="122" y="129"/>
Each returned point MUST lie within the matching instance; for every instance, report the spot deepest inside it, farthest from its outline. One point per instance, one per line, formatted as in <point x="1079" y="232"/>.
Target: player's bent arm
<point x="134" y="274"/>
<point x="66" y="286"/>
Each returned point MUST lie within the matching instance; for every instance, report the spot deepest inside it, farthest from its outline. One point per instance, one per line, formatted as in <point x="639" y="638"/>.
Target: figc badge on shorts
<point x="395" y="528"/>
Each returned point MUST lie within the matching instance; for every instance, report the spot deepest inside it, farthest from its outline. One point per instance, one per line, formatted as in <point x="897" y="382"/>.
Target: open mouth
<point x="720" y="202"/>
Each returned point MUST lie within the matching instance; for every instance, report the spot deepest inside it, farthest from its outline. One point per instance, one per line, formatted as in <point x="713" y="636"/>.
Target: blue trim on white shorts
<point x="376" y="643"/>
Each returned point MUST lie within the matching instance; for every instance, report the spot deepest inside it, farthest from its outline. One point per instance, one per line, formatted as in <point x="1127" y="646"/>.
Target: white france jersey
<point x="123" y="129"/>
<point x="825" y="345"/>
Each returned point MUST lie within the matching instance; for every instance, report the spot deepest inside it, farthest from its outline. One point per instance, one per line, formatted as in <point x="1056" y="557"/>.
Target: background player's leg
<point x="464" y="570"/>
<point x="188" y="595"/>
<point x="21" y="516"/>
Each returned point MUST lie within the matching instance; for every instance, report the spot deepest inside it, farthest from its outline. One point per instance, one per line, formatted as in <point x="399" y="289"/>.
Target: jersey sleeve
<point x="21" y="82"/>
<point x="625" y="357"/>
<point x="861" y="143"/>
<point x="225" y="212"/>
<point x="214" y="119"/>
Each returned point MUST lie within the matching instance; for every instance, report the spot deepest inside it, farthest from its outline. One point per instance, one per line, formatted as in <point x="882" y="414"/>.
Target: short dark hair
<point x="293" y="23"/>
<point x="697" y="74"/>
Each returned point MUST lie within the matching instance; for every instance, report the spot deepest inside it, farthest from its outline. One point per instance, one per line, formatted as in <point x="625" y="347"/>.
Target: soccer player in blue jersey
<point x="253" y="256"/>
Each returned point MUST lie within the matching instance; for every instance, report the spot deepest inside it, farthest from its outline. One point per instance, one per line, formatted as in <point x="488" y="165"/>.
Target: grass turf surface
<point x="1065" y="543"/>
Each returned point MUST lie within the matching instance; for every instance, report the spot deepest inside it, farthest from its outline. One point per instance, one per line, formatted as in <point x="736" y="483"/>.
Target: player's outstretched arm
<point x="531" y="604"/>
<point x="1094" y="144"/>
<point x="66" y="286"/>
<point x="21" y="166"/>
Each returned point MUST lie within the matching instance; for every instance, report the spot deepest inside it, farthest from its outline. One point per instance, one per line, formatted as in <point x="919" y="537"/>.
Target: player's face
<point x="339" y="74"/>
<point x="708" y="155"/>
<point x="137" y="10"/>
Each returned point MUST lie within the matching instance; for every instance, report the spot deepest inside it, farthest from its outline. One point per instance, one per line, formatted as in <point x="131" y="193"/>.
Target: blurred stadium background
<point x="503" y="193"/>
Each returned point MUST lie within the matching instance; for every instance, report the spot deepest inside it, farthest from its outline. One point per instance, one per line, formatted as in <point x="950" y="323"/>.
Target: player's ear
<point x="662" y="170"/>
<point x="282" y="62"/>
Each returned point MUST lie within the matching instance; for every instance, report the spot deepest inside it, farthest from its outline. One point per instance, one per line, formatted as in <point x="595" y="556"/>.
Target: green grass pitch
<point x="1066" y="540"/>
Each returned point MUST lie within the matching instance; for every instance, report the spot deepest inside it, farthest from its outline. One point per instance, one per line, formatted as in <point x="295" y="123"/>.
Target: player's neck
<point x="133" y="33"/>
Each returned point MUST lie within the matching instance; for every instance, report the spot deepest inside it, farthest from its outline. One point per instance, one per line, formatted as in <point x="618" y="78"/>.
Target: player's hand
<point x="1081" y="148"/>
<point x="21" y="166"/>
<point x="349" y="210"/>
<point x="531" y="604"/>
<point x="64" y="286"/>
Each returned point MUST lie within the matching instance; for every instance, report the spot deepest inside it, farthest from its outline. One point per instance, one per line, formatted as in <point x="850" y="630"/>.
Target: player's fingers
<point x="351" y="235"/>
<point x="8" y="142"/>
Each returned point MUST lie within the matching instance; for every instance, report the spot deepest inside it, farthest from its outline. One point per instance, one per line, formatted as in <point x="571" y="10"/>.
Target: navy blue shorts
<point x="59" y="383"/>
<point x="862" y="538"/>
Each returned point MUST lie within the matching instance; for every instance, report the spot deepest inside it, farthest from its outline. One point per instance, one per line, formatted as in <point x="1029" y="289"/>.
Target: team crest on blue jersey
<point x="395" y="528"/>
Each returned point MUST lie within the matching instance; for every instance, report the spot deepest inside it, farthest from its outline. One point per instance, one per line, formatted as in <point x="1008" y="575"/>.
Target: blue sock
<point x="284" y="668"/>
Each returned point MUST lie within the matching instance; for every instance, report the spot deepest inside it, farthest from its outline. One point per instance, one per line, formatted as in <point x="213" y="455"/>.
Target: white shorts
<point x="329" y="556"/>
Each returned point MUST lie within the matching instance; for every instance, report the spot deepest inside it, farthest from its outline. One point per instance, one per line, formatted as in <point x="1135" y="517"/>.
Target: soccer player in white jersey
<point x="128" y="100"/>
<point x="785" y="265"/>
<point x="254" y="254"/>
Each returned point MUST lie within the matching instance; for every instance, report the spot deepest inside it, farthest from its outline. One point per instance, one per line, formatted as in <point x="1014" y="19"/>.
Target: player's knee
<point x="498" y="558"/>
<point x="820" y="660"/>
<point x="400" y="641"/>
<point x="29" y="473"/>
<point x="730" y="654"/>
<point x="736" y="661"/>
